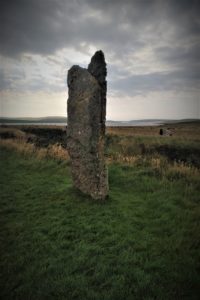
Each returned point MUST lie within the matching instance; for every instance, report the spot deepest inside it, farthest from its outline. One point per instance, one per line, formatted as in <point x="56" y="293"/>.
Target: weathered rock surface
<point x="86" y="127"/>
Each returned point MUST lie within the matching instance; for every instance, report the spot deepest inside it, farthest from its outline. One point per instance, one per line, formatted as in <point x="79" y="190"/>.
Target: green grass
<point x="173" y="148"/>
<point x="143" y="243"/>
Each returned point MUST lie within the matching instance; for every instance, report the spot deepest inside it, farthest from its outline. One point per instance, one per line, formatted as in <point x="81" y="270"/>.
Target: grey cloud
<point x="179" y="55"/>
<point x="34" y="26"/>
<point x="153" y="82"/>
<point x="45" y="26"/>
<point x="184" y="59"/>
<point x="182" y="13"/>
<point x="9" y="80"/>
<point x="119" y="27"/>
<point x="4" y="82"/>
<point x="18" y="82"/>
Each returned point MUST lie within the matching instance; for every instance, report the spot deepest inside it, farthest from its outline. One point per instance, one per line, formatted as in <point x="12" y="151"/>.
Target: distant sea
<point x="109" y="123"/>
<point x="61" y="121"/>
<point x="135" y="123"/>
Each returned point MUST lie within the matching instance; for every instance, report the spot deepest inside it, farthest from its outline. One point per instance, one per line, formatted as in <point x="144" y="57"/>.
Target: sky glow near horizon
<point x="152" y="51"/>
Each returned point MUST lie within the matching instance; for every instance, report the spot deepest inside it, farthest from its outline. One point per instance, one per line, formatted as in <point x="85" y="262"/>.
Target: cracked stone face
<point x="86" y="110"/>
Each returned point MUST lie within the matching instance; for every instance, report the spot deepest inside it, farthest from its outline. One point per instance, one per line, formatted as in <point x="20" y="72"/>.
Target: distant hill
<point x="47" y="120"/>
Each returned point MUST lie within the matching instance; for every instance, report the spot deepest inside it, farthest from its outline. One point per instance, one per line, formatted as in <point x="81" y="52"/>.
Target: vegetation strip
<point x="58" y="244"/>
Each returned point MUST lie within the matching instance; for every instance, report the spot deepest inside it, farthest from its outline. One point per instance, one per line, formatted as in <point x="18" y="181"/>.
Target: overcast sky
<point x="152" y="50"/>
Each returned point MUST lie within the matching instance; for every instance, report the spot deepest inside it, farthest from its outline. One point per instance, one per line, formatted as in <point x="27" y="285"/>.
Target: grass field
<point x="143" y="243"/>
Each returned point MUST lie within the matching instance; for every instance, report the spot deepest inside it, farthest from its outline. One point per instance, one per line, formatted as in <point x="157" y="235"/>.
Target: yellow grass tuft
<point x="182" y="170"/>
<point x="55" y="151"/>
<point x="58" y="152"/>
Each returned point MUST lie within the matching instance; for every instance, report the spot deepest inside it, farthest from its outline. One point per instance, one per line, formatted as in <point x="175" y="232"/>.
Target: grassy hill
<point x="142" y="243"/>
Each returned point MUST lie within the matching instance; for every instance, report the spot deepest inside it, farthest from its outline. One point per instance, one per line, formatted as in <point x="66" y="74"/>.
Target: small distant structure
<point x="166" y="131"/>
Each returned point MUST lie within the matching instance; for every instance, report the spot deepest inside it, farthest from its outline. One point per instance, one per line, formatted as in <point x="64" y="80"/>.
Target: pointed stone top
<point x="97" y="67"/>
<point x="98" y="56"/>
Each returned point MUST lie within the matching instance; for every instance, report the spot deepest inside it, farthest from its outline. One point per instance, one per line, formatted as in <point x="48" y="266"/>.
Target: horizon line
<point x="111" y="120"/>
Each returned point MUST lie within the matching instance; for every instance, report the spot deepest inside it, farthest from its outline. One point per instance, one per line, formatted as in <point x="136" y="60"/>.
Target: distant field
<point x="189" y="130"/>
<point x="123" y="144"/>
<point x="143" y="243"/>
<point x="181" y="130"/>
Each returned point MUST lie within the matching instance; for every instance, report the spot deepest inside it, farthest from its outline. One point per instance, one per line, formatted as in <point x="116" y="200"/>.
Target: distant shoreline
<point x="61" y="121"/>
<point x="64" y="124"/>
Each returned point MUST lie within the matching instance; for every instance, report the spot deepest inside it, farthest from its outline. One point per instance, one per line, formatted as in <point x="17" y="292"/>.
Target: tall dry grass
<point x="131" y="151"/>
<point x="158" y="163"/>
<point x="55" y="151"/>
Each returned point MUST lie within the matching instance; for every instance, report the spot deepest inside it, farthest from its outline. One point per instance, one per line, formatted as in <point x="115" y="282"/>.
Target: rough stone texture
<point x="97" y="68"/>
<point x="86" y="127"/>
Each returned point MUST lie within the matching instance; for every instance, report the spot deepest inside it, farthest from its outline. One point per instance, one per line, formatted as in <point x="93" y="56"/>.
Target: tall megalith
<point x="86" y="108"/>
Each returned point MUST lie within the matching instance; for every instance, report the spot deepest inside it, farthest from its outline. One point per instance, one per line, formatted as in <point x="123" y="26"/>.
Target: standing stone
<point x="86" y="127"/>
